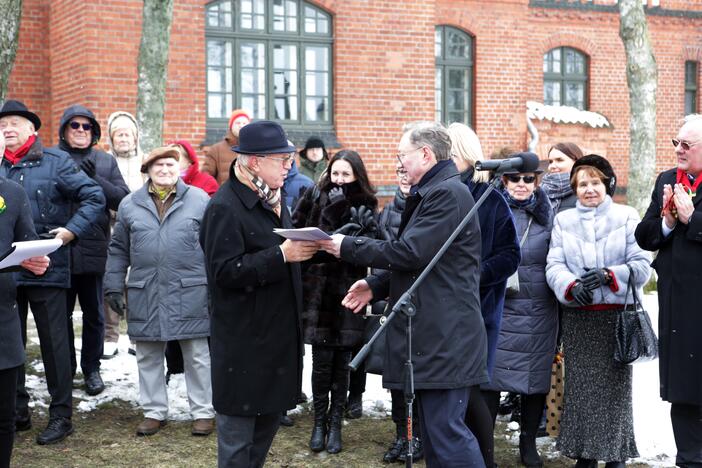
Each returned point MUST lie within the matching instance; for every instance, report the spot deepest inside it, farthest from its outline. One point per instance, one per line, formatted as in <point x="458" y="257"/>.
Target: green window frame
<point x="691" y="86"/>
<point x="566" y="80"/>
<point x="272" y="58"/>
<point x="454" y="51"/>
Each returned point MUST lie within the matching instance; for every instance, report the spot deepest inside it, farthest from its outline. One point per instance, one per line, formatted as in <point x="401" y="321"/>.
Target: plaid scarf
<point x="269" y="196"/>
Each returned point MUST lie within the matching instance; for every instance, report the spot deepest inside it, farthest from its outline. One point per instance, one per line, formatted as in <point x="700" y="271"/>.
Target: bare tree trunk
<point x="9" y="34"/>
<point x="153" y="70"/>
<point x="642" y="78"/>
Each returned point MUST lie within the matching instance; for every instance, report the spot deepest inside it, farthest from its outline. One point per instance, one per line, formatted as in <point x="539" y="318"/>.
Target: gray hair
<point x="243" y="159"/>
<point x="431" y="134"/>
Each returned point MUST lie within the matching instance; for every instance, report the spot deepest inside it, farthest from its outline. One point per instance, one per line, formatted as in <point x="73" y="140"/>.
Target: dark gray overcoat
<point x="256" y="339"/>
<point x="449" y="341"/>
<point x="679" y="313"/>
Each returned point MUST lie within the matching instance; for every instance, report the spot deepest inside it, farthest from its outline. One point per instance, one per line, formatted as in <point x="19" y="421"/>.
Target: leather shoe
<point x="23" y="420"/>
<point x="58" y="429"/>
<point x="94" y="384"/>
<point x="203" y="427"/>
<point x="286" y="421"/>
<point x="149" y="426"/>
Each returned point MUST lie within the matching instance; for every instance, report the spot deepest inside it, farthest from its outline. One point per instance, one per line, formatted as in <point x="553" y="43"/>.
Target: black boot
<point x="417" y="451"/>
<point x="615" y="464"/>
<point x="528" y="453"/>
<point x="586" y="463"/>
<point x="340" y="386"/>
<point x="6" y="441"/>
<point x="322" y="363"/>
<point x="354" y="406"/>
<point x="335" y="420"/>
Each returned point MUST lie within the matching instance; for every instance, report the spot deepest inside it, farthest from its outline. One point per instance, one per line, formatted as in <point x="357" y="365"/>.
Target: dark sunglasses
<point x="686" y="145"/>
<point x="77" y="125"/>
<point x="528" y="179"/>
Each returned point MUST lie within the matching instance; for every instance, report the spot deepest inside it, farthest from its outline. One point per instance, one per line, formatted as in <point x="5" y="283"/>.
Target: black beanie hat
<point x="313" y="142"/>
<point x="602" y="165"/>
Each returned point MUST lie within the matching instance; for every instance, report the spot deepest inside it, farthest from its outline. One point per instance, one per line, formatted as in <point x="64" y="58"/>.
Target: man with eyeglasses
<point x="255" y="288"/>
<point x="53" y="183"/>
<point x="79" y="133"/>
<point x="673" y="226"/>
<point x="449" y="343"/>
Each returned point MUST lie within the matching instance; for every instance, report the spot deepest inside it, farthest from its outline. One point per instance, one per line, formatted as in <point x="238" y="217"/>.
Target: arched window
<point x="453" y="50"/>
<point x="270" y="57"/>
<point x="565" y="78"/>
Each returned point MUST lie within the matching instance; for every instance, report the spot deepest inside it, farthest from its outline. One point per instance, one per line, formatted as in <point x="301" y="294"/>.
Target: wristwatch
<point x="608" y="276"/>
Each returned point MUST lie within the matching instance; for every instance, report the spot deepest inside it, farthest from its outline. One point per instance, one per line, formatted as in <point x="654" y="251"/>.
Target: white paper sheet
<point x="304" y="234"/>
<point x="29" y="249"/>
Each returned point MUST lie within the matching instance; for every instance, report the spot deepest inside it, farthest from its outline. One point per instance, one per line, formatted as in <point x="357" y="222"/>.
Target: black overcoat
<point x="256" y="300"/>
<point x="449" y="342"/>
<point x="679" y="313"/>
<point x="16" y="225"/>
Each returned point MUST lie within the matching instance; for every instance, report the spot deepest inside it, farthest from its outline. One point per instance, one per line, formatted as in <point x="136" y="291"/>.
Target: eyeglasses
<point x="685" y="145"/>
<point x="77" y="125"/>
<point x="528" y="179"/>
<point x="400" y="172"/>
<point x="284" y="160"/>
<point x="401" y="156"/>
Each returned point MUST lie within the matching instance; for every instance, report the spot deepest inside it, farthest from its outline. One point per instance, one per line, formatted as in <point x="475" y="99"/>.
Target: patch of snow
<point x="565" y="114"/>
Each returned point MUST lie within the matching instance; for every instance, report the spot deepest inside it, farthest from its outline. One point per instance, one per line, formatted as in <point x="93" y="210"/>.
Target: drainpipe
<point x="534" y="133"/>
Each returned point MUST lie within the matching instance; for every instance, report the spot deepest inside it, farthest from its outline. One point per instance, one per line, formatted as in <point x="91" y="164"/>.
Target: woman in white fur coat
<point x="592" y="248"/>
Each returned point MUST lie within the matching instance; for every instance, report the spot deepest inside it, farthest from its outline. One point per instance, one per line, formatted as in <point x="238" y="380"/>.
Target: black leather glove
<point x="594" y="278"/>
<point x="349" y="229"/>
<point x="581" y="294"/>
<point x="88" y="166"/>
<point x="116" y="302"/>
<point x="365" y="217"/>
<point x="336" y="194"/>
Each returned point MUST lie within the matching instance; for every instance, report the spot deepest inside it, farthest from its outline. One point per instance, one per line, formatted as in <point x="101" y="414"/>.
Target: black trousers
<point x="8" y="391"/>
<point x="687" y="429"/>
<point x="49" y="311"/>
<point x="88" y="290"/>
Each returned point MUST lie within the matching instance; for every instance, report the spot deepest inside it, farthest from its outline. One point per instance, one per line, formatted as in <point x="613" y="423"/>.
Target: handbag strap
<point x="631" y="286"/>
<point x="526" y="231"/>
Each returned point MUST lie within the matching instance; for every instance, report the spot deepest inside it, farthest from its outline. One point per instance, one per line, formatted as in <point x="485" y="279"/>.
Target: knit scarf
<point x="270" y="196"/>
<point x="16" y="156"/>
<point x="556" y="185"/>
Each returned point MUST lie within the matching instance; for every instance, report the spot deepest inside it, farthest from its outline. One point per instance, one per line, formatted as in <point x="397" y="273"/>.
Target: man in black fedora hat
<point x="256" y="297"/>
<point x="52" y="182"/>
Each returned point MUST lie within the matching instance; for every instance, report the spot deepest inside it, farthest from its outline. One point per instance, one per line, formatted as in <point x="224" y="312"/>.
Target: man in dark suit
<point x="673" y="226"/>
<point x="449" y="346"/>
<point x="256" y="297"/>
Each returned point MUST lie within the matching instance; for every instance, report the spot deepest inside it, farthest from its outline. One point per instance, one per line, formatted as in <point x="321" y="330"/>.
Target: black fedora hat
<point x="12" y="107"/>
<point x="263" y="137"/>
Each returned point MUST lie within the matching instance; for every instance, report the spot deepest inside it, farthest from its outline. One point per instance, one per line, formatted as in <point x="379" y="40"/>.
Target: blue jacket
<point x="499" y="258"/>
<point x="295" y="184"/>
<point x="89" y="253"/>
<point x="52" y="182"/>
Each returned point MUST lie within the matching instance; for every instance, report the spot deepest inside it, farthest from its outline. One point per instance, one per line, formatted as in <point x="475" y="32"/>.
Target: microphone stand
<point x="405" y="306"/>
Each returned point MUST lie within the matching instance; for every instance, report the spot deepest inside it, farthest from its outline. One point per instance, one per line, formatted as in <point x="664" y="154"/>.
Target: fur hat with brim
<point x="159" y="153"/>
<point x="601" y="164"/>
<point x="12" y="107"/>
<point x="261" y="138"/>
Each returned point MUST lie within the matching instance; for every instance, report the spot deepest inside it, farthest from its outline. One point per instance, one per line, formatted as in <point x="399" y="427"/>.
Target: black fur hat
<point x="601" y="164"/>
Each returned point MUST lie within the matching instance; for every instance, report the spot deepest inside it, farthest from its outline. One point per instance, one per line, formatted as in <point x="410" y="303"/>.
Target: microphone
<point x="520" y="162"/>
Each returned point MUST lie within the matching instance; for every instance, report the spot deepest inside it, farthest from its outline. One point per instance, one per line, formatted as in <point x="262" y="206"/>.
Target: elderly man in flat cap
<point x="54" y="184"/>
<point x="156" y="235"/>
<point x="256" y="297"/>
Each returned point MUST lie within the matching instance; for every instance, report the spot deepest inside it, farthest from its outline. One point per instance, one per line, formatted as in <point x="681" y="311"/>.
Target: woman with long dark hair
<point x="342" y="201"/>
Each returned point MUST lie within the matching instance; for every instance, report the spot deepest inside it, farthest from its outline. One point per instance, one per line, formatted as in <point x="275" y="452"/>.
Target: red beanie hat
<point x="236" y="113"/>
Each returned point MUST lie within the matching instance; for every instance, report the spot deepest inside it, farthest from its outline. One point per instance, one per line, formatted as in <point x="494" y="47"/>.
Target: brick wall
<point x="383" y="68"/>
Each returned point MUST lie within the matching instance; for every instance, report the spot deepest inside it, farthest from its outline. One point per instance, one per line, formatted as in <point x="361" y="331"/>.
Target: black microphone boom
<point x="520" y="162"/>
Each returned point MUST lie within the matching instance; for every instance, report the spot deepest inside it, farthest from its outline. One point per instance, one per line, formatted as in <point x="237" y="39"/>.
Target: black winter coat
<point x="449" y="343"/>
<point x="391" y="216"/>
<point x="256" y="299"/>
<point x="679" y="275"/>
<point x="53" y="183"/>
<point x="326" y="280"/>
<point x="15" y="225"/>
<point x="89" y="253"/>
<point x="527" y="340"/>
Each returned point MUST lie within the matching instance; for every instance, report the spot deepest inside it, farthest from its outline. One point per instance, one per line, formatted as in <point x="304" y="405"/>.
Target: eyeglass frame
<point x="685" y="145"/>
<point x="520" y="178"/>
<point x="400" y="173"/>
<point x="76" y="125"/>
<point x="291" y="157"/>
<point x="401" y="156"/>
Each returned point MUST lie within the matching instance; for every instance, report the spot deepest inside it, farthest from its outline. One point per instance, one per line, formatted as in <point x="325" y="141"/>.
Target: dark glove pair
<point x="88" y="166"/>
<point x="116" y="302"/>
<point x="591" y="280"/>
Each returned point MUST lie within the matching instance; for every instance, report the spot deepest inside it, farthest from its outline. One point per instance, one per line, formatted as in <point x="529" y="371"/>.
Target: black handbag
<point x="374" y="361"/>
<point x="636" y="341"/>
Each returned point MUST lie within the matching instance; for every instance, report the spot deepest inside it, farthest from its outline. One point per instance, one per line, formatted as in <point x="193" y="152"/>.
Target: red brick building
<point x="355" y="70"/>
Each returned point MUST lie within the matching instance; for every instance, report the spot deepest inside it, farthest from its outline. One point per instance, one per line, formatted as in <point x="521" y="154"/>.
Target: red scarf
<point x="682" y="178"/>
<point x="16" y="156"/>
